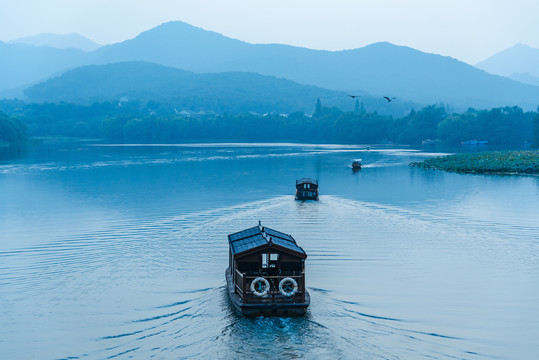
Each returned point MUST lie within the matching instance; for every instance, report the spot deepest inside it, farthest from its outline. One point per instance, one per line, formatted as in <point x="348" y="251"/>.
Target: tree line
<point x="12" y="131"/>
<point x="149" y="123"/>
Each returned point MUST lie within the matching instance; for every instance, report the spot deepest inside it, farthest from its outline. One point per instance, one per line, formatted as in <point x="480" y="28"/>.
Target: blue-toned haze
<point x="468" y="31"/>
<point x="114" y="216"/>
<point x="119" y="252"/>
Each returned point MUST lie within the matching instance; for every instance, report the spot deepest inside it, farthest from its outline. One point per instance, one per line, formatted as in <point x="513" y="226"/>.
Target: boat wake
<point x="155" y="289"/>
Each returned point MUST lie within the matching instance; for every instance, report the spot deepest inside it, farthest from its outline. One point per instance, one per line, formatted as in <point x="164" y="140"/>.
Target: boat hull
<point x="265" y="309"/>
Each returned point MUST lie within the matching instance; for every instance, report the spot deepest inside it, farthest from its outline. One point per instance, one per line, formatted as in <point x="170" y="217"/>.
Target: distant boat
<point x="356" y="165"/>
<point x="475" y="142"/>
<point x="266" y="273"/>
<point x="306" y="189"/>
<point x="431" y="142"/>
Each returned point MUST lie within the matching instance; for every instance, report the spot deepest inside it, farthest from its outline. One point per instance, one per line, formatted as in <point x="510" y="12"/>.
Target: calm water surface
<point x="116" y="252"/>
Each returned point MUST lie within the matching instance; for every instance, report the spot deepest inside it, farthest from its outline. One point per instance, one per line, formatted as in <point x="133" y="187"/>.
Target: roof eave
<point x="298" y="254"/>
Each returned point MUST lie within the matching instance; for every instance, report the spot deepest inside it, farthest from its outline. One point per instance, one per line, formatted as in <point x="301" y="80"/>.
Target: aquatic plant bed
<point x="491" y="162"/>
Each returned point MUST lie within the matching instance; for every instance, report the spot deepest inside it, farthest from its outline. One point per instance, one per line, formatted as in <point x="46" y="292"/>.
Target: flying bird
<point x="389" y="99"/>
<point x="354" y="96"/>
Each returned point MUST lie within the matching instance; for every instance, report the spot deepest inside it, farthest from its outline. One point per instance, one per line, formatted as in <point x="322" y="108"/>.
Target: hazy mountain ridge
<point x="22" y="64"/>
<point x="59" y="41"/>
<point x="218" y="92"/>
<point x="516" y="59"/>
<point x="525" y="78"/>
<point x="380" y="69"/>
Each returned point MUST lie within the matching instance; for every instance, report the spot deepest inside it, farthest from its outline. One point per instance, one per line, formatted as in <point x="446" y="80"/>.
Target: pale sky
<point x="469" y="30"/>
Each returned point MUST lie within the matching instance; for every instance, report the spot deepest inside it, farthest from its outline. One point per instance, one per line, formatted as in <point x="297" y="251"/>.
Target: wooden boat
<point x="306" y="189"/>
<point x="356" y="165"/>
<point x="266" y="273"/>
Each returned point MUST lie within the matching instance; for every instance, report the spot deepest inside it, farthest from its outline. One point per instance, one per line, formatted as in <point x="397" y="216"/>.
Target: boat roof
<point x="306" y="181"/>
<point x="259" y="236"/>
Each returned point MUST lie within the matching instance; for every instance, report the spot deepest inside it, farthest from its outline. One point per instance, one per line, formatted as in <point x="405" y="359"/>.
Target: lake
<point x="116" y="252"/>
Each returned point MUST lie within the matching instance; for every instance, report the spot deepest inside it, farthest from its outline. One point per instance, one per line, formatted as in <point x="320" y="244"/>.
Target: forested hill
<point x="233" y="92"/>
<point x="381" y="68"/>
<point x="12" y="131"/>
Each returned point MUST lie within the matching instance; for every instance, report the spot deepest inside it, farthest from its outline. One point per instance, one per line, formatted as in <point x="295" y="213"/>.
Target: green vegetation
<point x="12" y="131"/>
<point x="152" y="121"/>
<point x="492" y="162"/>
<point x="535" y="143"/>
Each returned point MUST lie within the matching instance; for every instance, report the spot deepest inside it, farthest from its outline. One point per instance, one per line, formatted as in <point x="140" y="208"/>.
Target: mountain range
<point x="516" y="59"/>
<point x="525" y="78"/>
<point x="22" y="64"/>
<point x="380" y="69"/>
<point x="231" y="92"/>
<point x="59" y="41"/>
<point x="519" y="62"/>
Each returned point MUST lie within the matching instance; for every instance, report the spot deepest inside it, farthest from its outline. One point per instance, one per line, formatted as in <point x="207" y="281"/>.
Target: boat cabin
<point x="306" y="189"/>
<point x="266" y="273"/>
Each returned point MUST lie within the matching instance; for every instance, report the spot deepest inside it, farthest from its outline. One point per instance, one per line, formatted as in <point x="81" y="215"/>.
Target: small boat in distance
<point x="475" y="142"/>
<point x="306" y="189"/>
<point x="266" y="273"/>
<point x="356" y="165"/>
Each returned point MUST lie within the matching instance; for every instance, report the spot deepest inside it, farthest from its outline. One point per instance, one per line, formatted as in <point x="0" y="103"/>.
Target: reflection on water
<point x="119" y="252"/>
<point x="12" y="152"/>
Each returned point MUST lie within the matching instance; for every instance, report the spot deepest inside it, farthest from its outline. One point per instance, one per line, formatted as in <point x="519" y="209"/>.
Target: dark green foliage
<point x="500" y="126"/>
<point x="318" y="107"/>
<point x="421" y="125"/>
<point x="535" y="143"/>
<point x="455" y="128"/>
<point x="135" y="121"/>
<point x="12" y="131"/>
<point x="362" y="128"/>
<point x="525" y="162"/>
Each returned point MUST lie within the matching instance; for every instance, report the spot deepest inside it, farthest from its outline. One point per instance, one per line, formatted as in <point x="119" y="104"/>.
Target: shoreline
<point x="523" y="162"/>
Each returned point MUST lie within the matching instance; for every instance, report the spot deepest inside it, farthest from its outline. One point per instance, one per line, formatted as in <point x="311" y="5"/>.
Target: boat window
<point x="265" y="261"/>
<point x="274" y="257"/>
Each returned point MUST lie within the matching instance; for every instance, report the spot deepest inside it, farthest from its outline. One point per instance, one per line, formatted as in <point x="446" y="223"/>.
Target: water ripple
<point x="151" y="272"/>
